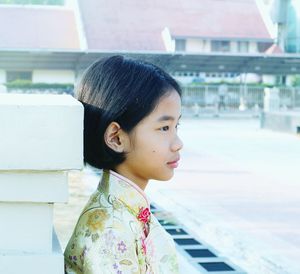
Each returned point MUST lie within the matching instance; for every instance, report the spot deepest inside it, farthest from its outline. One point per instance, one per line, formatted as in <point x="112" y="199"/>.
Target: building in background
<point x="191" y="26"/>
<point x="206" y="26"/>
<point x="286" y="15"/>
<point x="34" y="28"/>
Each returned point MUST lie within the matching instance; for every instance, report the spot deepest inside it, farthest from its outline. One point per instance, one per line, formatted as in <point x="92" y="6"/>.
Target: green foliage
<point x="33" y="2"/>
<point x="26" y="84"/>
<point x="296" y="81"/>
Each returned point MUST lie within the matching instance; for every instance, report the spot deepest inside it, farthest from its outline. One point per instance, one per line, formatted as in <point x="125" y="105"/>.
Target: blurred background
<point x="45" y="45"/>
<point x="238" y="62"/>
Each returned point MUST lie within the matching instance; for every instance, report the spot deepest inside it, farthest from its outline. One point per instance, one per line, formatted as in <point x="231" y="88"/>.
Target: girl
<point x="131" y="114"/>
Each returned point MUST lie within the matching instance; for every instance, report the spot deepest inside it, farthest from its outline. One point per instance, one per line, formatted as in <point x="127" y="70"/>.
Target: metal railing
<point x="207" y="96"/>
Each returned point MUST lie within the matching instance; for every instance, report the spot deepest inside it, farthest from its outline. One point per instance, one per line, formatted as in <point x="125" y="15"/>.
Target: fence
<point x="208" y="96"/>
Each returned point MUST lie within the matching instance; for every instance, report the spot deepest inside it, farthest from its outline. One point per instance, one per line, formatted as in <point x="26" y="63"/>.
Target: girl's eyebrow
<point x="167" y="118"/>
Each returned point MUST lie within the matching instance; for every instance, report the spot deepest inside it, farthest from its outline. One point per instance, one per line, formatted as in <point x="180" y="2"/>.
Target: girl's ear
<point x="114" y="137"/>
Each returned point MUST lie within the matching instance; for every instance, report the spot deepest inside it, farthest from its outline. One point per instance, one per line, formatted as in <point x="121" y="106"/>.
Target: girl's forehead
<point x="167" y="106"/>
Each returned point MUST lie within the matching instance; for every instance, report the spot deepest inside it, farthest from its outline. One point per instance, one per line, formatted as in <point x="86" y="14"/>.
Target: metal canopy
<point x="281" y="64"/>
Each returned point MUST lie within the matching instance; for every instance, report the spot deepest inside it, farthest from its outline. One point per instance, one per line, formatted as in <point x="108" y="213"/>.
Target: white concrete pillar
<point x="41" y="138"/>
<point x="2" y="81"/>
<point x="271" y="99"/>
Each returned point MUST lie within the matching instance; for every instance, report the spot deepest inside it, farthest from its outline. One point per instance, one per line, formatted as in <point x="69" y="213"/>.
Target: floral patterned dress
<point x="117" y="233"/>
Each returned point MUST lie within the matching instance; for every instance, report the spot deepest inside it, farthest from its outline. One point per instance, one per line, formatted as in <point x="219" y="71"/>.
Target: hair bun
<point x="92" y="117"/>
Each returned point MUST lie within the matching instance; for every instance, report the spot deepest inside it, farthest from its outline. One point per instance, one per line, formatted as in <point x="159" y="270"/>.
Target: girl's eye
<point x="165" y="128"/>
<point x="177" y="125"/>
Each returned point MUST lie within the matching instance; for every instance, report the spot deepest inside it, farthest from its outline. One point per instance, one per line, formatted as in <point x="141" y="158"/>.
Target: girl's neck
<point x="140" y="182"/>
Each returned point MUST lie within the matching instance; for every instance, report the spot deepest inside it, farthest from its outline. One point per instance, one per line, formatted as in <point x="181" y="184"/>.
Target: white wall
<point x="233" y="46"/>
<point x="2" y="76"/>
<point x="2" y="80"/>
<point x="197" y="45"/>
<point x="202" y="45"/>
<point x="167" y="39"/>
<point x="73" y="5"/>
<point x="269" y="79"/>
<point x="253" y="47"/>
<point x="53" y="76"/>
<point x="50" y="136"/>
<point x="184" y="79"/>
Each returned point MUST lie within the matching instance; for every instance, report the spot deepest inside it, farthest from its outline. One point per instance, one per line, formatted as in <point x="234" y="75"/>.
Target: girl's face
<point x="155" y="143"/>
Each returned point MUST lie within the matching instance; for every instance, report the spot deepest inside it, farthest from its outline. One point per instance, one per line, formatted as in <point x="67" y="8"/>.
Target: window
<point x="223" y="46"/>
<point x="180" y="44"/>
<point x="243" y="46"/>
<point x="18" y="75"/>
<point x="262" y="47"/>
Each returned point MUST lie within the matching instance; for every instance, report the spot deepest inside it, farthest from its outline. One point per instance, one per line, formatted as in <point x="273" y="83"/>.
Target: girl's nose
<point x="177" y="144"/>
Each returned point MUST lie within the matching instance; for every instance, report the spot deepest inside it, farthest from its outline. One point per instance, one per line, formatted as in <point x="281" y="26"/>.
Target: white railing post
<point x="41" y="138"/>
<point x="271" y="99"/>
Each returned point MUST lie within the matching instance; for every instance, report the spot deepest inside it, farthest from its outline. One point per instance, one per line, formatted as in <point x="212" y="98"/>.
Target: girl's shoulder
<point x="106" y="212"/>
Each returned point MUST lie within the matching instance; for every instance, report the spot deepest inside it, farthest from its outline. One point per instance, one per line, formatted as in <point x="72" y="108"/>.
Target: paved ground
<point x="237" y="188"/>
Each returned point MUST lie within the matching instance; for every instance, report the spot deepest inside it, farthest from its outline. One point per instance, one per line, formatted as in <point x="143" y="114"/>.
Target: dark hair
<point x="118" y="89"/>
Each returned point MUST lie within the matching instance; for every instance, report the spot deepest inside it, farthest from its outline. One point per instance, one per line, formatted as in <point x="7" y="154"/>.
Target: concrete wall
<point x="2" y="80"/>
<point x="53" y="76"/>
<point x="197" y="45"/>
<point x="41" y="139"/>
<point x="270" y="79"/>
<point x="169" y="43"/>
<point x="233" y="46"/>
<point x="2" y="76"/>
<point x="281" y="121"/>
<point x="202" y="45"/>
<point x="250" y="78"/>
<point x="253" y="47"/>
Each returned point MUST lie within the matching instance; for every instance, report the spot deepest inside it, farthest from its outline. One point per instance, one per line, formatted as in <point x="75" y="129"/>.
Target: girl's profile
<point x="131" y="114"/>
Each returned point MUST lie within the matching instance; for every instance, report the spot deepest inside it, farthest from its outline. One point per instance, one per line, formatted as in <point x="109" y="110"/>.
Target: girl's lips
<point x="174" y="164"/>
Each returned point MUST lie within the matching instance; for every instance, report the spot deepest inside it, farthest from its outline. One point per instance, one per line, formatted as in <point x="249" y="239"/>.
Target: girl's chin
<point x="165" y="177"/>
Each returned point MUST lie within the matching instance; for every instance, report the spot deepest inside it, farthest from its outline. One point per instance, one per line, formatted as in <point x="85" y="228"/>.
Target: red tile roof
<point x="129" y="25"/>
<point x="274" y="49"/>
<point x="234" y="19"/>
<point x="137" y="25"/>
<point x="38" y="28"/>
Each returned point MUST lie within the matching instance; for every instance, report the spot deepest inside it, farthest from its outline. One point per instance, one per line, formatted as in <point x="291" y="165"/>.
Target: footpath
<point x="237" y="188"/>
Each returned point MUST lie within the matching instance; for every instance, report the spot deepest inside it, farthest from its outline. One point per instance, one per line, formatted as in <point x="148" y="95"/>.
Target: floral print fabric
<point x="117" y="233"/>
